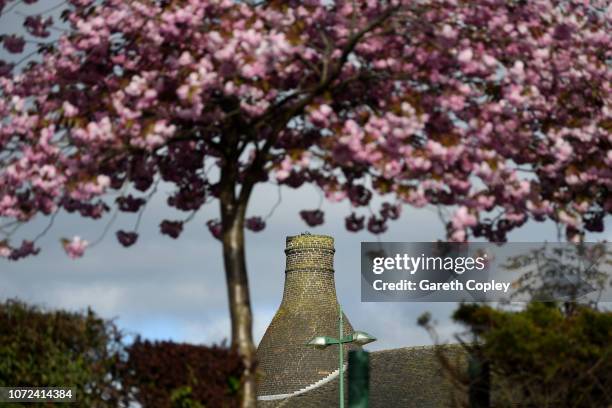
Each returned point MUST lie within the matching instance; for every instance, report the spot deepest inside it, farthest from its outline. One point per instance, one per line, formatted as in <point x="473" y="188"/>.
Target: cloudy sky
<point x="175" y="289"/>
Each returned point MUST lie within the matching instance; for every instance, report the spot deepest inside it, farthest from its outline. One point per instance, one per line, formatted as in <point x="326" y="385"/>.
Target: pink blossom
<point x="321" y="115"/>
<point x="75" y="248"/>
<point x="582" y="207"/>
<point x="185" y="58"/>
<point x="563" y="149"/>
<point x="514" y="94"/>
<point x="427" y="119"/>
<point x="69" y="110"/>
<point x="517" y="70"/>
<point x="137" y="86"/>
<point x="489" y="61"/>
<point x="103" y="181"/>
<point x="485" y="202"/>
<point x="305" y="158"/>
<point x="5" y="251"/>
<point x="572" y="179"/>
<point x="285" y="167"/>
<point x="515" y="217"/>
<point x="7" y="202"/>
<point x="392" y="169"/>
<point x="183" y="92"/>
<point x="449" y="32"/>
<point x="335" y="196"/>
<point x="465" y="55"/>
<point x="463" y="218"/>
<point x="436" y="149"/>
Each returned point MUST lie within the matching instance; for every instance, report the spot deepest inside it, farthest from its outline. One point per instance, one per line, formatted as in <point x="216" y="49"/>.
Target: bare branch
<point x="275" y="206"/>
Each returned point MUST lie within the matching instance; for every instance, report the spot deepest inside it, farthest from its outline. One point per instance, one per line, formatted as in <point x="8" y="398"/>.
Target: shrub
<point x="543" y="357"/>
<point x="46" y="348"/>
<point x="58" y="348"/>
<point x="166" y="374"/>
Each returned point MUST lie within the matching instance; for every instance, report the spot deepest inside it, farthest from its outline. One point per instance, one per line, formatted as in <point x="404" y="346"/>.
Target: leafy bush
<point x="166" y="374"/>
<point x="542" y="357"/>
<point x="183" y="398"/>
<point x="59" y="348"/>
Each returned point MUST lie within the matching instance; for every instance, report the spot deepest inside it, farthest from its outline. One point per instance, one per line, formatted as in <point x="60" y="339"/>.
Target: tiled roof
<point x="407" y="377"/>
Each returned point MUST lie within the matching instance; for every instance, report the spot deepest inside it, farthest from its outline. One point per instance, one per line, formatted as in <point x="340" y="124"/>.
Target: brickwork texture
<point x="309" y="308"/>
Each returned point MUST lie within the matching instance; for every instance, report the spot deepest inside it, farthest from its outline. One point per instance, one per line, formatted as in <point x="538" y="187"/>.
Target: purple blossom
<point x="595" y="223"/>
<point x="165" y="115"/>
<point x="377" y="225"/>
<point x="189" y="197"/>
<point x="215" y="228"/>
<point x="27" y="248"/>
<point x="127" y="239"/>
<point x="5" y="68"/>
<point x="294" y="179"/>
<point x="359" y="195"/>
<point x="36" y="26"/>
<point x="13" y="43"/>
<point x="255" y="224"/>
<point x="312" y="217"/>
<point x="171" y="228"/>
<point x="563" y="32"/>
<point x="130" y="203"/>
<point x="354" y="223"/>
<point x="390" y="211"/>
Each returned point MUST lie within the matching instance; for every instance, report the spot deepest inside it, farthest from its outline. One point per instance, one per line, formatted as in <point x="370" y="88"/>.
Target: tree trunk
<point x="232" y="218"/>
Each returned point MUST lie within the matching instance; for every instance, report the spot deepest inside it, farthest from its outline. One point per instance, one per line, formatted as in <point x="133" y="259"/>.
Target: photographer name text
<point x="455" y="285"/>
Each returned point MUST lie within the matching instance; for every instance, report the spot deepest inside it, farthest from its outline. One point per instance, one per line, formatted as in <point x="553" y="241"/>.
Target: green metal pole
<point x="341" y="373"/>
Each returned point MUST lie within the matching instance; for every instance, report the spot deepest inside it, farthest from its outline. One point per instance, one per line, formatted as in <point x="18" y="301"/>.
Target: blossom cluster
<point x="502" y="111"/>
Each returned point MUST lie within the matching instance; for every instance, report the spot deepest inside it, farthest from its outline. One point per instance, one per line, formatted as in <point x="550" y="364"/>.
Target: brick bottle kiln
<point x="309" y="308"/>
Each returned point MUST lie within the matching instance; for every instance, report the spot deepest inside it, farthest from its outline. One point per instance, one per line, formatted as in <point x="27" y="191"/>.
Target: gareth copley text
<point x="454" y="285"/>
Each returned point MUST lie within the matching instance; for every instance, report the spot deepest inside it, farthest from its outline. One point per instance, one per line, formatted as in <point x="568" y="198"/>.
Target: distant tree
<point x="46" y="348"/>
<point x="563" y="273"/>
<point x="501" y="109"/>
<point x="556" y="351"/>
<point x="58" y="349"/>
<point x="542" y="357"/>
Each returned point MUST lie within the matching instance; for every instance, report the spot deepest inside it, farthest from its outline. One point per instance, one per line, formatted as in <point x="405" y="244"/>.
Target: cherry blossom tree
<point x="497" y="112"/>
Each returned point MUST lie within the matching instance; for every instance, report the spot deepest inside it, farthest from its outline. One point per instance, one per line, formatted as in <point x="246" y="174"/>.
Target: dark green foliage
<point x="183" y="398"/>
<point x="542" y="357"/>
<point x="58" y="348"/>
<point x="165" y="374"/>
<point x="547" y="354"/>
